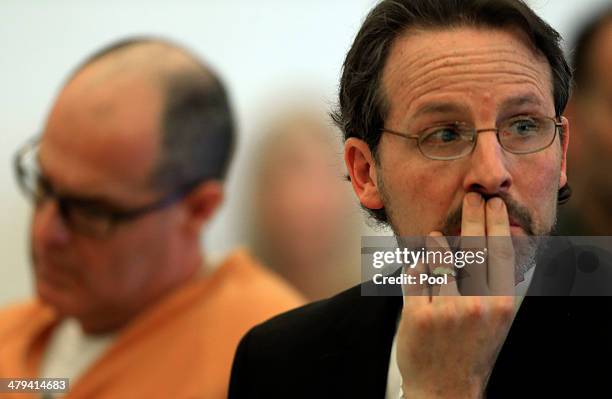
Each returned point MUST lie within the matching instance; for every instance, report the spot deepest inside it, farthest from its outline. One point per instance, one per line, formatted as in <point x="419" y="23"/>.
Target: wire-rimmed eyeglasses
<point x="523" y="134"/>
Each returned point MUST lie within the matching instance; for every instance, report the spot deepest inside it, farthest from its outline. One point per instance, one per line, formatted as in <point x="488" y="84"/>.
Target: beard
<point x="525" y="247"/>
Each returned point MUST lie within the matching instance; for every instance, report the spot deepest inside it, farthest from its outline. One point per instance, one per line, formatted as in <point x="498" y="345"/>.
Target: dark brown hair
<point x="363" y="108"/>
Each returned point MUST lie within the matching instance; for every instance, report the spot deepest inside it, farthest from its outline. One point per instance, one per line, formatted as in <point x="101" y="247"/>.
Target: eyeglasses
<point x="90" y="217"/>
<point x="524" y="134"/>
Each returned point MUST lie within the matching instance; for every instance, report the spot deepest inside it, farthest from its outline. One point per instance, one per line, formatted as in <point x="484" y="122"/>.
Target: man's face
<point x="100" y="143"/>
<point x="292" y="209"/>
<point x="595" y="101"/>
<point x="480" y="77"/>
<point x="592" y="119"/>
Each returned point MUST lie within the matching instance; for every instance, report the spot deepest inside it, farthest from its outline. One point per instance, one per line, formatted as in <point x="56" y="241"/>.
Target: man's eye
<point x="524" y="127"/>
<point x="85" y="218"/>
<point x="88" y="212"/>
<point x="443" y="135"/>
<point x="41" y="188"/>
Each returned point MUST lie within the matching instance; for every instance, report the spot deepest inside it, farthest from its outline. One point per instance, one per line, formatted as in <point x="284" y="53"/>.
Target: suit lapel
<point x="356" y="364"/>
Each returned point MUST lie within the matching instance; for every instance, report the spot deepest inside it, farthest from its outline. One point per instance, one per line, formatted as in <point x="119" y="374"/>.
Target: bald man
<point x="127" y="172"/>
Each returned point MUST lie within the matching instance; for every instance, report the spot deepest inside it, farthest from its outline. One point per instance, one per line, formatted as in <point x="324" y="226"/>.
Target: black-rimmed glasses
<point x="89" y="217"/>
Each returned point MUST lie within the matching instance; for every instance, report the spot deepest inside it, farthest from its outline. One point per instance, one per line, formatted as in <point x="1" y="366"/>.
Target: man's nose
<point x="488" y="172"/>
<point x="48" y="225"/>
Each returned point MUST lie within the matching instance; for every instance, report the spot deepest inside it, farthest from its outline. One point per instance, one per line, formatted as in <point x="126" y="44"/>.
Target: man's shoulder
<point x="22" y="309"/>
<point x="324" y="345"/>
<point x="338" y="320"/>
<point x="319" y="314"/>
<point x="312" y="319"/>
<point x="241" y="279"/>
<point x="15" y="318"/>
<point x="359" y="306"/>
<point x="242" y="270"/>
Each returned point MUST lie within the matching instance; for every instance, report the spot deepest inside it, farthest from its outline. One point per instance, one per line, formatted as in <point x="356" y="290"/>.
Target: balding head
<point x="154" y="58"/>
<point x="131" y="157"/>
<point x="195" y="125"/>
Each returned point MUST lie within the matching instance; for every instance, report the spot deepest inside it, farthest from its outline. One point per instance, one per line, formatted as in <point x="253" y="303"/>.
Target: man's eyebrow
<point x="517" y="101"/>
<point x="451" y="107"/>
<point x="91" y="199"/>
<point x="440" y="108"/>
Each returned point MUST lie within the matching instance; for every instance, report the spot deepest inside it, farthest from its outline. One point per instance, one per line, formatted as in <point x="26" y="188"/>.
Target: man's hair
<point x="363" y="107"/>
<point x="583" y="46"/>
<point x="197" y="126"/>
<point x="198" y="131"/>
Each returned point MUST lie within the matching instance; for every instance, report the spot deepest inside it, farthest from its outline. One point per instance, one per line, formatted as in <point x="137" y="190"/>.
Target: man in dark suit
<point x="452" y="119"/>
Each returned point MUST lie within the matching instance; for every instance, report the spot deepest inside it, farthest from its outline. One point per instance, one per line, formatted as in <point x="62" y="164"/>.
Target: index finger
<point x="501" y="250"/>
<point x="414" y="294"/>
<point x="473" y="225"/>
<point x="437" y="242"/>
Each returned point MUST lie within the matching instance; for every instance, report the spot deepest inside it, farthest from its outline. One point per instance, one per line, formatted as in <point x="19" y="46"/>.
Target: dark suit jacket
<point x="557" y="347"/>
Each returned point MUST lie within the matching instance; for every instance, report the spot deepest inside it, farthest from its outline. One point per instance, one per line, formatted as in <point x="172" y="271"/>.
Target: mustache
<point x="517" y="212"/>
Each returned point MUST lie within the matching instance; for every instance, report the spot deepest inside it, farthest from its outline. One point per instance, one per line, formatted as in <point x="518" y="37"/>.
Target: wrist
<point x="473" y="391"/>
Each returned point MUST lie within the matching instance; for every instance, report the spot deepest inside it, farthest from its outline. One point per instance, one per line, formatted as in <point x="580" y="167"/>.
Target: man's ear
<point x="573" y="111"/>
<point x="201" y="204"/>
<point x="362" y="170"/>
<point x="564" y="147"/>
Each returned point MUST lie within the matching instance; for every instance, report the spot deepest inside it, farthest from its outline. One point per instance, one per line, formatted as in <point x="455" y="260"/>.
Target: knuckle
<point x="422" y="318"/>
<point x="504" y="307"/>
<point x="504" y="253"/>
<point x="448" y="315"/>
<point x="475" y="309"/>
<point x="473" y="224"/>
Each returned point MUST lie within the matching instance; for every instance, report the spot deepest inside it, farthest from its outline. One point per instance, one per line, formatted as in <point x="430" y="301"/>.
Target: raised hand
<point x="448" y="342"/>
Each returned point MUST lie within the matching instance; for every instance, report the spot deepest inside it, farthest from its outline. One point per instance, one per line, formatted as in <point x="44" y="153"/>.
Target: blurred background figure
<point x="127" y="173"/>
<point x="589" y="211"/>
<point x="304" y="223"/>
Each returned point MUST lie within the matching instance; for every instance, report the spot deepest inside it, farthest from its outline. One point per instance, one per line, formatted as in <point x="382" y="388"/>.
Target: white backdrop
<point x="266" y="51"/>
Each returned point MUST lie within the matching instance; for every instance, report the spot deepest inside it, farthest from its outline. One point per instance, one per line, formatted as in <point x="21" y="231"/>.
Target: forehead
<point x="477" y="70"/>
<point x="102" y="133"/>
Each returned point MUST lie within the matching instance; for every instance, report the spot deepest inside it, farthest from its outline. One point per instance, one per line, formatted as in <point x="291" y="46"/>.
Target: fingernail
<point x="495" y="203"/>
<point x="474" y="199"/>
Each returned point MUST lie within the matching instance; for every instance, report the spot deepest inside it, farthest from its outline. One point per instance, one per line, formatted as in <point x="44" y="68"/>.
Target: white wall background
<point x="265" y="50"/>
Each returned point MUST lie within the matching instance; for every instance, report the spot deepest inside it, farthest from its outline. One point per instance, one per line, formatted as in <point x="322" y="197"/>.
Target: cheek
<point x="107" y="270"/>
<point x="421" y="196"/>
<point x="121" y="267"/>
<point x="434" y="192"/>
<point x="537" y="184"/>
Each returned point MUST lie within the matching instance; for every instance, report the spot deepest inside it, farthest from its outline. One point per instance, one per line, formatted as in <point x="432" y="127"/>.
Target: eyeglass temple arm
<point x="404" y="135"/>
